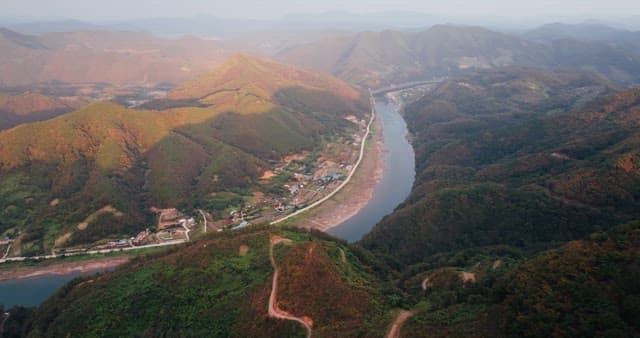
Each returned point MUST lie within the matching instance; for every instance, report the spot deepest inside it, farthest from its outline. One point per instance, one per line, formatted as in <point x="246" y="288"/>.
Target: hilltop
<point x="251" y="84"/>
<point x="31" y="107"/>
<point x="132" y="160"/>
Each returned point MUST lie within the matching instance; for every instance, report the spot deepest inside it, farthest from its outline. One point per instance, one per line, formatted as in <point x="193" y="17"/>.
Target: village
<point x="295" y="182"/>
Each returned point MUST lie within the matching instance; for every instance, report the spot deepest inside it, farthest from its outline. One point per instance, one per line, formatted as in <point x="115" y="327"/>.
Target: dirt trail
<point x="343" y="257"/>
<point x="274" y="310"/>
<point x="397" y="325"/>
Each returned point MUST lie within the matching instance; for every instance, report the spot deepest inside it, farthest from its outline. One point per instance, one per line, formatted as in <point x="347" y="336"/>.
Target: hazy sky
<point x="128" y="9"/>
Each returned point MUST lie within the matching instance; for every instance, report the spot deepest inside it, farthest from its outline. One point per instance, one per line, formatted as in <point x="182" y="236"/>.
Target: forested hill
<point x="586" y="288"/>
<point x="220" y="137"/>
<point x="516" y="157"/>
<point x="511" y="165"/>
<point x="220" y="287"/>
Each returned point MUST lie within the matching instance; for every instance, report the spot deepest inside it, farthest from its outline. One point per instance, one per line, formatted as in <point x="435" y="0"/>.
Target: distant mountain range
<point x="376" y="59"/>
<point x="587" y="32"/>
<point x="220" y="27"/>
<point x="102" y="56"/>
<point x="371" y="59"/>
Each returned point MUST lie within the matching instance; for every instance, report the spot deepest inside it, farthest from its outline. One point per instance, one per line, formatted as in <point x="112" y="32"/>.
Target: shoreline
<point x="63" y="268"/>
<point x="357" y="194"/>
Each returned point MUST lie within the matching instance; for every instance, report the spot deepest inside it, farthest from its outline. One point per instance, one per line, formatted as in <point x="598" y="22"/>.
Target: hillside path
<point x="397" y="325"/>
<point x="274" y="310"/>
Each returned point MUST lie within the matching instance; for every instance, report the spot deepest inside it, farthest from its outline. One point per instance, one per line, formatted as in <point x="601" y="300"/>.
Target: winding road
<point x="397" y="325"/>
<point x="93" y="252"/>
<point x="274" y="310"/>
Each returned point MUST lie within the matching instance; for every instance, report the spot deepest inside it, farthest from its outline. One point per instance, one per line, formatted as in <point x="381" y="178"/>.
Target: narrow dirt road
<point x="397" y="325"/>
<point x="343" y="257"/>
<point x="274" y="310"/>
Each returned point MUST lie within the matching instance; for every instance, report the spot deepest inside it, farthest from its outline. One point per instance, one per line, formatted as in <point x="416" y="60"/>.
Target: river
<point x="397" y="180"/>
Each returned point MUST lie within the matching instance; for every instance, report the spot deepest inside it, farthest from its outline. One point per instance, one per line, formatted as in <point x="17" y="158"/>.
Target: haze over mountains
<point x="523" y="219"/>
<point x="102" y="56"/>
<point x="376" y="59"/>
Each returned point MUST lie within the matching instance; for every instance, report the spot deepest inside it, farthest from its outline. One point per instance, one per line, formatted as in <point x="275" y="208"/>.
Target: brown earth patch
<point x="468" y="277"/>
<point x="497" y="264"/>
<point x="267" y="175"/>
<point x="244" y="249"/>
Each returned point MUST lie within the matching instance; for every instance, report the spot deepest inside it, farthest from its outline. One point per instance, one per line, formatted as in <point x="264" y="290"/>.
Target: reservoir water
<point x="397" y="180"/>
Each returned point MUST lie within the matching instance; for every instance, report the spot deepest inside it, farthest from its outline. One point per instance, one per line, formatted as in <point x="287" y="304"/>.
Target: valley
<point x="442" y="180"/>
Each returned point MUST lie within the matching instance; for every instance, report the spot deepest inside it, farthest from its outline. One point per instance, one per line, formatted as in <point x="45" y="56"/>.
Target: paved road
<point x="346" y="181"/>
<point x="94" y="252"/>
<point x="274" y="311"/>
<point x="204" y="218"/>
<point x="8" y="250"/>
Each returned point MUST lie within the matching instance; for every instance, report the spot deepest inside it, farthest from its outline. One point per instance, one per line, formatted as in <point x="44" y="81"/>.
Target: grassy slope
<point x="209" y="289"/>
<point x="489" y="171"/>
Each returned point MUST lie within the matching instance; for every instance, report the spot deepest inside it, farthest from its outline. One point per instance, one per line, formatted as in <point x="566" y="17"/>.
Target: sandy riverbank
<point x="355" y="195"/>
<point x="63" y="268"/>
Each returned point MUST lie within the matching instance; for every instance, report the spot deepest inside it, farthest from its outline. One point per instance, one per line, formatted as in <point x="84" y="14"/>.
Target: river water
<point x="31" y="291"/>
<point x="397" y="180"/>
